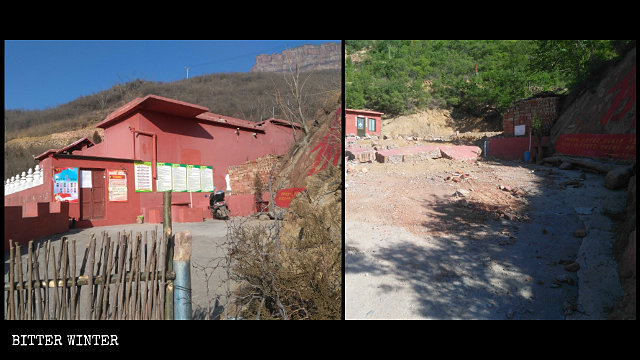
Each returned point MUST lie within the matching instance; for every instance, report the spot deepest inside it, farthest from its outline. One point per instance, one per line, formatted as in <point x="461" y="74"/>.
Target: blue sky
<point x="44" y="74"/>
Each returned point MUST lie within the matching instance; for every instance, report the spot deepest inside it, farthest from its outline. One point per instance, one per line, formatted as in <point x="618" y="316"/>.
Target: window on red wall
<point x="372" y="124"/>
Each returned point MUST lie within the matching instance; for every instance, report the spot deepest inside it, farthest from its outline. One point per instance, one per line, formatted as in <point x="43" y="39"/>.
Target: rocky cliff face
<point x="608" y="108"/>
<point x="307" y="57"/>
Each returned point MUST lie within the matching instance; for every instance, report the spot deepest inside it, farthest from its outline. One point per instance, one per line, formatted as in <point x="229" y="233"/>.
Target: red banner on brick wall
<point x="618" y="146"/>
<point x="284" y="196"/>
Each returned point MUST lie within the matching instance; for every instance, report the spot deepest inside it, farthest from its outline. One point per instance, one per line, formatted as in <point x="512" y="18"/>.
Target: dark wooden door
<point x="93" y="198"/>
<point x="360" y="123"/>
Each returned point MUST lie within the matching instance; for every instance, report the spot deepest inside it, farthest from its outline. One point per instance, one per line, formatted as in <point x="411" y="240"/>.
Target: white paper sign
<point x="519" y="130"/>
<point x="179" y="174"/>
<point x="85" y="179"/>
<point x="206" y="178"/>
<point x="164" y="182"/>
<point x="193" y="178"/>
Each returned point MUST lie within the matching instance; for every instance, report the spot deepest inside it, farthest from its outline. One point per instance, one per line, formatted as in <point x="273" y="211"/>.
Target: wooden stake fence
<point x="123" y="278"/>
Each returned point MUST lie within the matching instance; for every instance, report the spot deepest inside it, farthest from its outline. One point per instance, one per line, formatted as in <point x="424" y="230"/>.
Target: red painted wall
<point x="351" y="126"/>
<point x="188" y="141"/>
<point x="42" y="219"/>
<point x="115" y="212"/>
<point x="617" y="146"/>
<point x="512" y="148"/>
<point x="277" y="138"/>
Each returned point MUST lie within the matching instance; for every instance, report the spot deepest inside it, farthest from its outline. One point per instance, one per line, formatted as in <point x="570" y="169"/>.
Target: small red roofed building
<point x="363" y="122"/>
<point x="154" y="144"/>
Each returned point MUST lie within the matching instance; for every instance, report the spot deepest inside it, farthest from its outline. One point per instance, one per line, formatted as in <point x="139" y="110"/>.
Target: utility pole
<point x="186" y="67"/>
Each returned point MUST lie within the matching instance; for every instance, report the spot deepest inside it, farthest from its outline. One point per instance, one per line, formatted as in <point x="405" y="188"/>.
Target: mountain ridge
<point x="306" y="57"/>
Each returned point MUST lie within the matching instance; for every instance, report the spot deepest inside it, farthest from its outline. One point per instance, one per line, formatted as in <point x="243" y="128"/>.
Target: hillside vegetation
<point x="250" y="96"/>
<point x="480" y="77"/>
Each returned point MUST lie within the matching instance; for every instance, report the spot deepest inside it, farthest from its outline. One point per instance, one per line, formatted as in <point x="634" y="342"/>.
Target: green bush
<point x="391" y="75"/>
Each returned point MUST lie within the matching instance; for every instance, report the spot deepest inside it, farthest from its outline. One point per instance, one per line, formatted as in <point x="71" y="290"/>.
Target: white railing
<point x="26" y="180"/>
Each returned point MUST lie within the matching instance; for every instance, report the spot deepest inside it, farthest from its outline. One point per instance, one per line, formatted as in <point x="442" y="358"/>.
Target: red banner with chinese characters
<point x="284" y="196"/>
<point x="617" y="146"/>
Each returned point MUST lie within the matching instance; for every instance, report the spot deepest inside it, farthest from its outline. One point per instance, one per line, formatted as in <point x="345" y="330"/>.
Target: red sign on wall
<point x="284" y="196"/>
<point x="618" y="146"/>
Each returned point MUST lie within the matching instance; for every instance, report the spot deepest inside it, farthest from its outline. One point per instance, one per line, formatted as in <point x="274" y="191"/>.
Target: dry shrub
<point x="291" y="269"/>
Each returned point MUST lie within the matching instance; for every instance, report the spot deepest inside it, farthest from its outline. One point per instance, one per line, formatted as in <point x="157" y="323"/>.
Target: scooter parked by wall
<point x="218" y="206"/>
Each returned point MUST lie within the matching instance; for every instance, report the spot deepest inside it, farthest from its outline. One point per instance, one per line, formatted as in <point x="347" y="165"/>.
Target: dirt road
<point x="443" y="239"/>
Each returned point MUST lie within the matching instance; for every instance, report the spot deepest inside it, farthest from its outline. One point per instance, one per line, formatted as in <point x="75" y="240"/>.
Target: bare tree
<point x="294" y="104"/>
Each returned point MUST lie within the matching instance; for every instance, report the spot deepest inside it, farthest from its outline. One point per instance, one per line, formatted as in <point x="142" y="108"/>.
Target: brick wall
<point x="524" y="112"/>
<point x="243" y="176"/>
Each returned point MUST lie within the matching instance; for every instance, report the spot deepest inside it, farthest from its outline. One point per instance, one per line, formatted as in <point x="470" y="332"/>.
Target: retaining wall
<point x="526" y="111"/>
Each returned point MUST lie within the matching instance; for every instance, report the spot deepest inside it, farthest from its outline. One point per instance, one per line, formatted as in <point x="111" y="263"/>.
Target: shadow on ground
<point x="474" y="263"/>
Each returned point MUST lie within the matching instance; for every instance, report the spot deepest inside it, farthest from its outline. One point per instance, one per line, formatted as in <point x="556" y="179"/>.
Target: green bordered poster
<point x="164" y="182"/>
<point x="142" y="172"/>
<point x="193" y="178"/>
<point x="206" y="178"/>
<point x="179" y="174"/>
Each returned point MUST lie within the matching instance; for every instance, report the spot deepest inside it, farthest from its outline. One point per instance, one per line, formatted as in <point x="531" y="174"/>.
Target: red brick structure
<point x="363" y="122"/>
<point x="524" y="112"/>
<point x="242" y="177"/>
<point x="156" y="130"/>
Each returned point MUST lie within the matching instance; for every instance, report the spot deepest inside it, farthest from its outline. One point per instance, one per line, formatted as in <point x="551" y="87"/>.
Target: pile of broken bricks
<point x="413" y="153"/>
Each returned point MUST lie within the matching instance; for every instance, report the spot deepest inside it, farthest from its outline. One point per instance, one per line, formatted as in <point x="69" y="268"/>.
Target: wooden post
<point x="36" y="269"/>
<point x="166" y="213"/>
<point x="30" y="280"/>
<point x="168" y="235"/>
<point x="92" y="255"/>
<point x="12" y="305"/>
<point x="182" y="268"/>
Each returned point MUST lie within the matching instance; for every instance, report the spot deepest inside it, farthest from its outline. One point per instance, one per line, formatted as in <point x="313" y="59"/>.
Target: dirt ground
<point x="445" y="239"/>
<point x="413" y="194"/>
<point x="436" y="123"/>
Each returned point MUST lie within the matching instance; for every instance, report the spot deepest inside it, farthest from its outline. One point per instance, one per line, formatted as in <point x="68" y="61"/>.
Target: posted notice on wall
<point x="164" y="182"/>
<point x="117" y="185"/>
<point x="65" y="184"/>
<point x="85" y="179"/>
<point x="142" y="172"/>
<point x="206" y="178"/>
<point x="193" y="178"/>
<point x="179" y="174"/>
